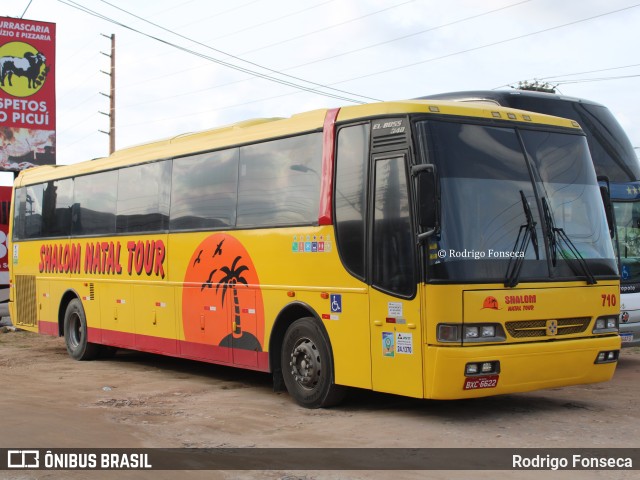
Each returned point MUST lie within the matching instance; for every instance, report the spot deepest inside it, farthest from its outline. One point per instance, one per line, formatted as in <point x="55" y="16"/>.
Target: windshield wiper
<point x="551" y="231"/>
<point x="554" y="234"/>
<point x="528" y="233"/>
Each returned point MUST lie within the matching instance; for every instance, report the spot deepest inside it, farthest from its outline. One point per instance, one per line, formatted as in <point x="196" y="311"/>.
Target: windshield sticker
<point x="388" y="344"/>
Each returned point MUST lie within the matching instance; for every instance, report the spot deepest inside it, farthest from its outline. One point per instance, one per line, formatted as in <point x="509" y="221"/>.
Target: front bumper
<point x="523" y="367"/>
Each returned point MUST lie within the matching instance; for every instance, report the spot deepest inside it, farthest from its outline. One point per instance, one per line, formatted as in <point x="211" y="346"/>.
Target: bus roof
<point x="500" y="96"/>
<point x="268" y="128"/>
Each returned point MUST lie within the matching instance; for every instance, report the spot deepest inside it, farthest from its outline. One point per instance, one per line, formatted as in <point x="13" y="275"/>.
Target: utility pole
<point x="112" y="95"/>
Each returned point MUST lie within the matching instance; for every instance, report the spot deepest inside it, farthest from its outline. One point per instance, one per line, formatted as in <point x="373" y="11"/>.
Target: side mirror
<point x="608" y="205"/>
<point x="428" y="199"/>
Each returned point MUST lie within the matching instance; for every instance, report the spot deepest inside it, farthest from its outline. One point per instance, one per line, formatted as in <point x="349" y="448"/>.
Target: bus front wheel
<point x="307" y="366"/>
<point x="75" y="333"/>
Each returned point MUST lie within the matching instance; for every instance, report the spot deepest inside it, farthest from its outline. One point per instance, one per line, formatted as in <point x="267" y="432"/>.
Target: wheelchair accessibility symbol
<point x="336" y="303"/>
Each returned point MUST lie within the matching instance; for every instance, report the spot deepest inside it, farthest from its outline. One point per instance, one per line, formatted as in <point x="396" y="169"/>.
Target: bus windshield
<point x="609" y="146"/>
<point x="488" y="200"/>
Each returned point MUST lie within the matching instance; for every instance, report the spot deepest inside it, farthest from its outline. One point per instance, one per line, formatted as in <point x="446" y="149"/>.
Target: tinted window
<point x="483" y="174"/>
<point x="610" y="147"/>
<point x="94" y="204"/>
<point x="57" y="198"/>
<point x="393" y="263"/>
<point x="28" y="212"/>
<point x="351" y="196"/>
<point x="18" y="213"/>
<point x="204" y="191"/>
<point x="279" y="182"/>
<point x="572" y="194"/>
<point x="143" y="198"/>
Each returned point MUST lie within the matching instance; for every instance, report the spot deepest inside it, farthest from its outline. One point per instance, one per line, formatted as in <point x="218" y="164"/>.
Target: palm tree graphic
<point x="233" y="276"/>
<point x="230" y="280"/>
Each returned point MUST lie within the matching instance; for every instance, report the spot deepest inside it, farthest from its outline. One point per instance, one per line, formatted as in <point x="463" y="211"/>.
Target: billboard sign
<point x="27" y="94"/>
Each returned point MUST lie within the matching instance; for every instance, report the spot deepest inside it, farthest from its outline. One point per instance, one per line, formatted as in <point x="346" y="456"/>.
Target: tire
<point x="307" y="366"/>
<point x="75" y="333"/>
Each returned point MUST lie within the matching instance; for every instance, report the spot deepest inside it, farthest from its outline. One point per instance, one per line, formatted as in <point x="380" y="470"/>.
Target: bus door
<point x="396" y="330"/>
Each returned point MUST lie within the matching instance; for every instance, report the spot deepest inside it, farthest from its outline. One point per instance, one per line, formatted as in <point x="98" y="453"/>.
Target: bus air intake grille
<point x="393" y="140"/>
<point x="539" y="328"/>
<point x="26" y="306"/>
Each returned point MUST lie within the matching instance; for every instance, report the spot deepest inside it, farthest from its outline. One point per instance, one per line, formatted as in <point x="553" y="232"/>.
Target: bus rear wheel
<point x="75" y="333"/>
<point x="307" y="366"/>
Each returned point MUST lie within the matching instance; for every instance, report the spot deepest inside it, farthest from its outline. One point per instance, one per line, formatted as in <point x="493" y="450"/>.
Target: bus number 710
<point x="608" y="300"/>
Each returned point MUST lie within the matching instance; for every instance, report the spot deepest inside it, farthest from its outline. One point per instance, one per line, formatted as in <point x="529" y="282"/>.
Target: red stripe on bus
<point x="328" y="157"/>
<point x="203" y="352"/>
<point x="48" y="328"/>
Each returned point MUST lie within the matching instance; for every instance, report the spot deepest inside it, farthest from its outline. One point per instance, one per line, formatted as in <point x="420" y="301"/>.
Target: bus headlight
<point x="609" y="356"/>
<point x="448" y="333"/>
<point x="488" y="331"/>
<point x="471" y="332"/>
<point x="482" y="368"/>
<point x="481" y="332"/>
<point x="606" y="324"/>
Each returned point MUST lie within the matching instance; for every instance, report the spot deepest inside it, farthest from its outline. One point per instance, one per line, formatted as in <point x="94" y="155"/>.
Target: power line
<point x="264" y="76"/>
<point x="473" y="49"/>
<point x="26" y="8"/>
<point x="587" y="80"/>
<point x="551" y="78"/>
<point x="342" y="23"/>
<point x="146" y="80"/>
<point x="403" y="37"/>
<point x="335" y="25"/>
<point x="273" y="20"/>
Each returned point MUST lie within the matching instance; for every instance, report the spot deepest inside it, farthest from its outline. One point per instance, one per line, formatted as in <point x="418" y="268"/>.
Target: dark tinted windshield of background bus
<point x="610" y="148"/>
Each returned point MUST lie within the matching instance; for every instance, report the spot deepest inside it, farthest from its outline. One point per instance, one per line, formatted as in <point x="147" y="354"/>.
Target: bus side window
<point x="94" y="204"/>
<point x="351" y="196"/>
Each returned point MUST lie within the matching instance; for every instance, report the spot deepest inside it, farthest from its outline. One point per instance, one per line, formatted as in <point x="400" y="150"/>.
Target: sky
<point x="190" y="65"/>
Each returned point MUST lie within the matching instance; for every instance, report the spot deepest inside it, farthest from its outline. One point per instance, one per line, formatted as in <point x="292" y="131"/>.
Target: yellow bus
<point x="422" y="248"/>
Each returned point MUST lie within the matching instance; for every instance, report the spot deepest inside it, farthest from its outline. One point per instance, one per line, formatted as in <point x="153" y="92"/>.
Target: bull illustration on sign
<point x="29" y="66"/>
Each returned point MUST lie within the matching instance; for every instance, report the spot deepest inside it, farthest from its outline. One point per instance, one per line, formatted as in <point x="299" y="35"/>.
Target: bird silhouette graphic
<point x="218" y="249"/>
<point x="197" y="260"/>
<point x="209" y="283"/>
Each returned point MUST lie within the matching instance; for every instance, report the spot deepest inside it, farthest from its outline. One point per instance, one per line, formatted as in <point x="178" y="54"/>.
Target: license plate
<point x="626" y="337"/>
<point x="487" y="381"/>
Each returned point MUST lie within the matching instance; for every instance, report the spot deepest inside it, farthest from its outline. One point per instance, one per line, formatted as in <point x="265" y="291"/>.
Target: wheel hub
<point x="305" y="363"/>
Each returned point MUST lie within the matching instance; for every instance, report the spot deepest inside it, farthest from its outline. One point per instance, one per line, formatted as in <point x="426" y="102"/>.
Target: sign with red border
<point x="27" y="94"/>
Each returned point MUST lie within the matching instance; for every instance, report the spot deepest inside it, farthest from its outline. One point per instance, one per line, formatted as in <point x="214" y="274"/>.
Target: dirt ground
<point x="137" y="400"/>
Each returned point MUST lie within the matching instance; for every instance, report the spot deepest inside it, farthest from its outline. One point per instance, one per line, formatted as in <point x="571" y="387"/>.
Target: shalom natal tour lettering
<point x="143" y="257"/>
